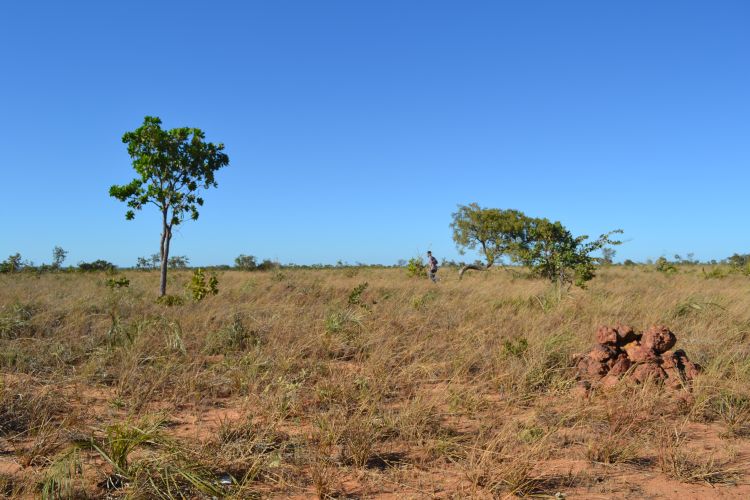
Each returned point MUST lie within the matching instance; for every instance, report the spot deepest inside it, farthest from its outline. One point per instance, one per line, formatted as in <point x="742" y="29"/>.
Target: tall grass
<point x="337" y="382"/>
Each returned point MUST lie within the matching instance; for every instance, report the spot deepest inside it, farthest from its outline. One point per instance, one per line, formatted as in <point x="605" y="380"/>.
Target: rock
<point x="610" y="381"/>
<point x="692" y="370"/>
<point x="670" y="360"/>
<point x="620" y="367"/>
<point x="590" y="368"/>
<point x="601" y="353"/>
<point x="658" y="338"/>
<point x="606" y="335"/>
<point x="642" y="354"/>
<point x="648" y="371"/>
<point x="674" y="377"/>
<point x="581" y="390"/>
<point x="625" y="335"/>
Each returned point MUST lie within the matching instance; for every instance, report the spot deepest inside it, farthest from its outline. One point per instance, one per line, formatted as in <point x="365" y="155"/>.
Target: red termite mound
<point x="620" y="352"/>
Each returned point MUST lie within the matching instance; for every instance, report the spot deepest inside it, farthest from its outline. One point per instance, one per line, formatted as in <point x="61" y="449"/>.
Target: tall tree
<point x="172" y="166"/>
<point x="493" y="231"/>
<point x="58" y="257"/>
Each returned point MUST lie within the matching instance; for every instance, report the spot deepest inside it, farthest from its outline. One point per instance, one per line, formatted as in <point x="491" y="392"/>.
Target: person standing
<point x="433" y="265"/>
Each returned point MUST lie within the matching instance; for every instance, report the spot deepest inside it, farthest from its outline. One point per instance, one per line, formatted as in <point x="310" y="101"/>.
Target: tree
<point x="178" y="262"/>
<point x="608" y="255"/>
<point x="172" y="166"/>
<point x="245" y="262"/>
<point x="58" y="257"/>
<point x="552" y="252"/>
<point x="494" y="231"/>
<point x="12" y="264"/>
<point x="97" y="265"/>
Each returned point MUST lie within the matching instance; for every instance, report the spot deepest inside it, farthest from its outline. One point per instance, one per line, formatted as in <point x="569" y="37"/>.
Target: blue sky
<point x="355" y="128"/>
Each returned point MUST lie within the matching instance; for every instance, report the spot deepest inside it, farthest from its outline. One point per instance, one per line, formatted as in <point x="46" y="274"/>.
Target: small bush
<point x="118" y="282"/>
<point x="355" y="297"/>
<point x="416" y="268"/>
<point x="170" y="300"/>
<point x="198" y="287"/>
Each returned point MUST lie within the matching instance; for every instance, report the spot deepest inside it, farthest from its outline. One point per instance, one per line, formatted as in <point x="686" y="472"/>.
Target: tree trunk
<point x="166" y="235"/>
<point x="472" y="266"/>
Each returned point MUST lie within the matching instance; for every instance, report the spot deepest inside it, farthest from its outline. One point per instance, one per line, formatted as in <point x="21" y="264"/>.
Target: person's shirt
<point x="433" y="263"/>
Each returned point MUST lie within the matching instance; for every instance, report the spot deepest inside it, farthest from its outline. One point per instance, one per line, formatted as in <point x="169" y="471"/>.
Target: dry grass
<point x="362" y="382"/>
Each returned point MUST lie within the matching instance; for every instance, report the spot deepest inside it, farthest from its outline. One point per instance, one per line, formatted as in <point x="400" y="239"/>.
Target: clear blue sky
<point x="355" y="128"/>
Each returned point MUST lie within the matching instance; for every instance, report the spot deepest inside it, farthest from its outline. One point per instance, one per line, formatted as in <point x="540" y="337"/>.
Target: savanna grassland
<point x="361" y="383"/>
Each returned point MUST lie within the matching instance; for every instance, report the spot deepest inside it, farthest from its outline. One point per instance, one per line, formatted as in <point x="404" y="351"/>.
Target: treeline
<point x="16" y="263"/>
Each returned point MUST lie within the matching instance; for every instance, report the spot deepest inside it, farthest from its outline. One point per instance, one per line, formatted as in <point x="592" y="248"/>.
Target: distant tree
<point x="58" y="257"/>
<point x="12" y="264"/>
<point x="178" y="262"/>
<point x="97" y="265"/>
<point x="608" y="255"/>
<point x="628" y="262"/>
<point x="143" y="263"/>
<point x="493" y="231"/>
<point x="267" y="265"/>
<point x="245" y="262"/>
<point x="172" y="165"/>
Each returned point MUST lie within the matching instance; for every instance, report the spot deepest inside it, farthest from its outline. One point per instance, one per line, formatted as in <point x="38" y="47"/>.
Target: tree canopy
<point x="172" y="166"/>
<point x="548" y="248"/>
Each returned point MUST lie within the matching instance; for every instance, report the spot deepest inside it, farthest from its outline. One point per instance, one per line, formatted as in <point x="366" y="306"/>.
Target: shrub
<point x="170" y="300"/>
<point x="198" y="287"/>
<point x="355" y="297"/>
<point x="664" y="266"/>
<point x="118" y="282"/>
<point x="416" y="268"/>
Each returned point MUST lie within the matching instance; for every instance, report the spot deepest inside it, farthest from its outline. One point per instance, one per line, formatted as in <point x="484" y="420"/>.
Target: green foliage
<point x="172" y="166"/>
<point x="415" y="268"/>
<point x="147" y="263"/>
<point x="178" y="262"/>
<point x="515" y="347"/>
<point x="58" y="257"/>
<point x="170" y="300"/>
<point x="664" y="266"/>
<point x="118" y="282"/>
<point x="552" y="252"/>
<point x="355" y="297"/>
<point x="245" y="262"/>
<point x="496" y="232"/>
<point x="267" y="265"/>
<point x="97" y="265"/>
<point x="198" y="287"/>
<point x="12" y="264"/>
<point x="548" y="248"/>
